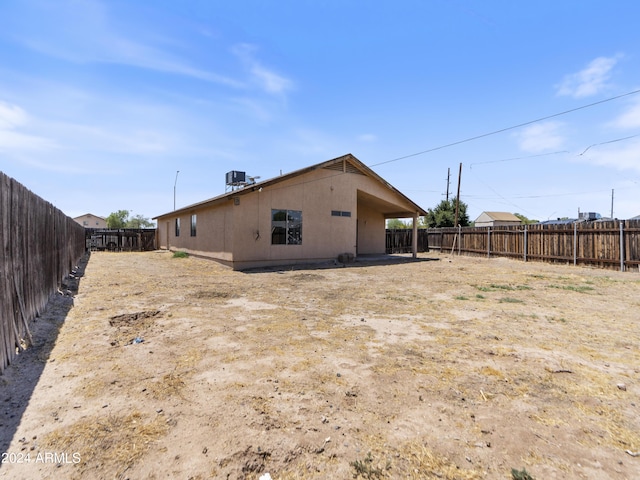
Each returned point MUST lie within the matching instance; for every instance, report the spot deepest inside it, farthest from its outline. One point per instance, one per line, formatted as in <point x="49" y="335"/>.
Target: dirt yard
<point x="444" y="368"/>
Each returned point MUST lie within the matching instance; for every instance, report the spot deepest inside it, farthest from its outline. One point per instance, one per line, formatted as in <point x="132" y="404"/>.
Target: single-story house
<point x="496" y="219"/>
<point x="311" y="215"/>
<point x="89" y="220"/>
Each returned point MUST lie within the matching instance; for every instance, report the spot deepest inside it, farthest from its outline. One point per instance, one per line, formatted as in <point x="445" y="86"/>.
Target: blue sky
<point x="102" y="102"/>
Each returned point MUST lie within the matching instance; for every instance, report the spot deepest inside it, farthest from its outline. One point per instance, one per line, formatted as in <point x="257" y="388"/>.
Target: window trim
<point x="193" y="224"/>
<point x="177" y="227"/>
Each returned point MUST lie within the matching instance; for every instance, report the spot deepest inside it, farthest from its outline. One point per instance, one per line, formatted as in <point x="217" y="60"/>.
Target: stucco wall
<point x="237" y="230"/>
<point x="371" y="231"/>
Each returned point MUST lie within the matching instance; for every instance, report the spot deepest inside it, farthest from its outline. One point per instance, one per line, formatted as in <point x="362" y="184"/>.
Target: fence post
<point x="488" y="242"/>
<point x="524" y="253"/>
<point x="575" y="244"/>
<point x="622" y="245"/>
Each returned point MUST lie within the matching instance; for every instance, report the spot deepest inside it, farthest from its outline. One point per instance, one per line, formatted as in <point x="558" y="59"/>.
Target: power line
<point x="519" y="158"/>
<point x="495" y="132"/>
<point x="610" y="141"/>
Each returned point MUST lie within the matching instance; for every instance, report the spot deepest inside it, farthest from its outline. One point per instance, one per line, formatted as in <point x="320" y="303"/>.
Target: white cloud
<point x="85" y="32"/>
<point x="621" y="156"/>
<point x="541" y="137"/>
<point x="12" y="118"/>
<point x="367" y="137"/>
<point x="268" y="80"/>
<point x="630" y="118"/>
<point x="589" y="81"/>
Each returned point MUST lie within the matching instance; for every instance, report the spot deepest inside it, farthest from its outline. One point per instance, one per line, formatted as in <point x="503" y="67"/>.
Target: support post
<point x="488" y="242"/>
<point x="575" y="244"/>
<point x="414" y="243"/>
<point x="622" y="245"/>
<point x="525" y="245"/>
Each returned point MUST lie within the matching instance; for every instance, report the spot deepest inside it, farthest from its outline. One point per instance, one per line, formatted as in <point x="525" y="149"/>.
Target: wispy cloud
<point x="12" y="139"/>
<point x="589" y="81"/>
<point x="267" y="79"/>
<point x="630" y="118"/>
<point x="367" y="137"/>
<point x="541" y="137"/>
<point x="85" y="32"/>
<point x="621" y="156"/>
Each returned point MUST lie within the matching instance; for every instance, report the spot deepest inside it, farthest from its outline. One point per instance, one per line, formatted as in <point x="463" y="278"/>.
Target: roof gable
<point x="345" y="164"/>
<point x="500" y="216"/>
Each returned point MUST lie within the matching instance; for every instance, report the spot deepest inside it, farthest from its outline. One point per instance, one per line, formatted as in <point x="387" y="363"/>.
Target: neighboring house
<point x="496" y="219"/>
<point x="91" y="221"/>
<point x="635" y="218"/>
<point x="311" y="215"/>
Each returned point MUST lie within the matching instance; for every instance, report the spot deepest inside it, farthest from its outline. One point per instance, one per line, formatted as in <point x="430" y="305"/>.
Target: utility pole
<point x="612" y="204"/>
<point x="174" y="190"/>
<point x="448" y="182"/>
<point x="458" y="196"/>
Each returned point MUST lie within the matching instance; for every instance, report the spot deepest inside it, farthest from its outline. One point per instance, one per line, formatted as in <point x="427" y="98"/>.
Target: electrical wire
<point x="513" y="127"/>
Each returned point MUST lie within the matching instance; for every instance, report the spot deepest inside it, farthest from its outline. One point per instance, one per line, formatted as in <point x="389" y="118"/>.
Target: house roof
<point x="352" y="161"/>
<point x="501" y="216"/>
<point x="90" y="215"/>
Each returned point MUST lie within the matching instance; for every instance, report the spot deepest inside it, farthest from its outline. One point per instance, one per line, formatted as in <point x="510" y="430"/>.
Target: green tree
<point x="396" y="224"/>
<point x="138" y="221"/>
<point x="525" y="220"/>
<point x="121" y="219"/>
<point x="117" y="219"/>
<point x="445" y="213"/>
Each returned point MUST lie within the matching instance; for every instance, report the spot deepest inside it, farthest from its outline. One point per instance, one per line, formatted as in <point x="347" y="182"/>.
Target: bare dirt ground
<point x="448" y="368"/>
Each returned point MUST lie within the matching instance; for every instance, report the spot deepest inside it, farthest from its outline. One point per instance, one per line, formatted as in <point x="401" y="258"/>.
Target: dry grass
<point x="114" y="440"/>
<point x="417" y="364"/>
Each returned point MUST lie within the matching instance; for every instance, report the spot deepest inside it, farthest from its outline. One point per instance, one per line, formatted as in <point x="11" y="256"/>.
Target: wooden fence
<point x="401" y="240"/>
<point x="121" y="240"/>
<point x="607" y="244"/>
<point x="39" y="246"/>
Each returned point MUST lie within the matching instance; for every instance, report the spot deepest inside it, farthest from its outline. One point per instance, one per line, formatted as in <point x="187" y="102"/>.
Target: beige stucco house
<point x="89" y="220"/>
<point x="496" y="219"/>
<point x="311" y="215"/>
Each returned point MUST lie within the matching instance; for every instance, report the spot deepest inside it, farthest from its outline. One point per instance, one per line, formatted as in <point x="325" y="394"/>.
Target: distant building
<point x="91" y="221"/>
<point x="497" y="219"/>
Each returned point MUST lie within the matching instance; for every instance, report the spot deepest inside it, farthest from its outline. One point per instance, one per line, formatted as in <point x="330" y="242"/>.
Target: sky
<point x="103" y="102"/>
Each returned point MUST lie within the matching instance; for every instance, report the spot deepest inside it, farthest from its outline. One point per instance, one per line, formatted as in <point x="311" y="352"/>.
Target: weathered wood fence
<point x="39" y="245"/>
<point x="121" y="240"/>
<point x="401" y="240"/>
<point x="607" y="244"/>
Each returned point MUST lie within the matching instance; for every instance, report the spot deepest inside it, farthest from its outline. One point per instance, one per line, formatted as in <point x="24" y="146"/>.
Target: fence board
<point x="606" y="244"/>
<point x="39" y="245"/>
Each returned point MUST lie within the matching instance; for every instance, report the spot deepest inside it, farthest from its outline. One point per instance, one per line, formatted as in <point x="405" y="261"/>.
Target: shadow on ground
<point x="360" y="261"/>
<point x="20" y="378"/>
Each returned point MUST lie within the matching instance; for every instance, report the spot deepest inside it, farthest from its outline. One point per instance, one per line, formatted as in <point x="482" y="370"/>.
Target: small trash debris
<point x="622" y="386"/>
<point x="633" y="454"/>
<point x="137" y="340"/>
<point x="266" y="476"/>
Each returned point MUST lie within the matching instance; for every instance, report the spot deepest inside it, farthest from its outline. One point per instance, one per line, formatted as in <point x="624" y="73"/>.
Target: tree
<point x="138" y="221"/>
<point x="117" y="219"/>
<point x="396" y="224"/>
<point x="445" y="213"/>
<point x="525" y="220"/>
<point x="121" y="219"/>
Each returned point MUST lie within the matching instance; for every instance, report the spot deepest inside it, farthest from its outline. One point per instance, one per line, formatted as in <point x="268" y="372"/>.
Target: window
<point x="177" y="227"/>
<point x="286" y="227"/>
<point x="193" y="225"/>
<point x="338" y="213"/>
